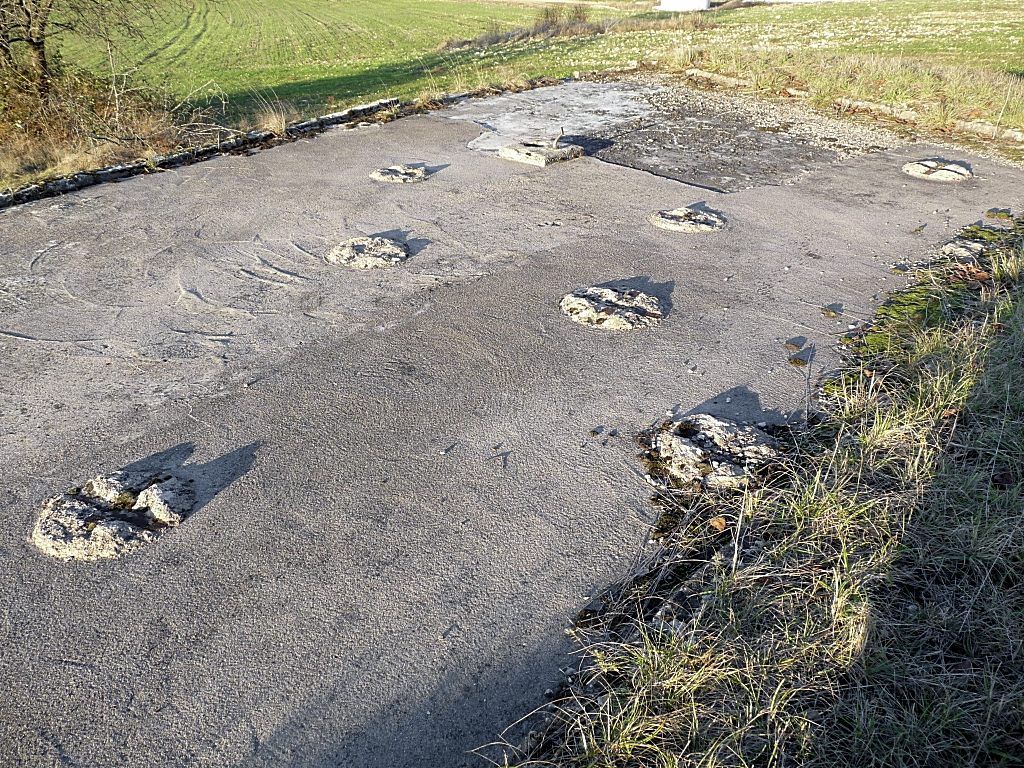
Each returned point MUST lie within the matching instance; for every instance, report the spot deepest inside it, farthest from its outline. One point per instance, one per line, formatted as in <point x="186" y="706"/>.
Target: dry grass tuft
<point x="88" y="122"/>
<point x="939" y="93"/>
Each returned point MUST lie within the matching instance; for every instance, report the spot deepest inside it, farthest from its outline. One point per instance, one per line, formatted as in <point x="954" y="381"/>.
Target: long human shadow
<point x="462" y="718"/>
<point x="206" y="479"/>
<point x="469" y="718"/>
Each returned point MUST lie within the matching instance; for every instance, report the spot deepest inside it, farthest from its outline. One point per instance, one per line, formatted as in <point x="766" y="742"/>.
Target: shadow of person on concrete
<point x="207" y="479"/>
<point x="738" y="403"/>
<point x="471" y="717"/>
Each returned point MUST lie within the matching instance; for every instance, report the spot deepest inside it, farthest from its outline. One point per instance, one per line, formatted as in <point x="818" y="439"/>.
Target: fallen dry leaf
<point x="719" y="523"/>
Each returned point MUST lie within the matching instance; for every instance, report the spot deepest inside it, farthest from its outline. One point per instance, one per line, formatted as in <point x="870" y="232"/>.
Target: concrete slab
<point x="399" y="502"/>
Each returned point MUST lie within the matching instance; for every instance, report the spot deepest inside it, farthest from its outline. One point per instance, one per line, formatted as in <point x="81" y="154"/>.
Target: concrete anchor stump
<point x="368" y="253"/>
<point x="687" y="220"/>
<point x="110" y="516"/>
<point x="399" y="174"/>
<point x="938" y="170"/>
<point x="614" y="309"/>
<point x="540" y="153"/>
<point x="701" y="451"/>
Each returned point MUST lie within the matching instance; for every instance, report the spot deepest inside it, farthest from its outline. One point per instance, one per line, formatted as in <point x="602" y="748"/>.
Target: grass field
<point x="319" y="52"/>
<point x="308" y="52"/>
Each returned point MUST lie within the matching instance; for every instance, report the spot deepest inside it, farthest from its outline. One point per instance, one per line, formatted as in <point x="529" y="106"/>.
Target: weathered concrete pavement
<point x="400" y="504"/>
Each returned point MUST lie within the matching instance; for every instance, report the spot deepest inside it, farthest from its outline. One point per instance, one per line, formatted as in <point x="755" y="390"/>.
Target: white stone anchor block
<point x="540" y="153"/>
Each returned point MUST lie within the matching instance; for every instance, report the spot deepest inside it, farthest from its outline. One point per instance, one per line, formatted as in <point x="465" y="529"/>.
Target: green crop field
<point x="302" y="51"/>
<point x="319" y="53"/>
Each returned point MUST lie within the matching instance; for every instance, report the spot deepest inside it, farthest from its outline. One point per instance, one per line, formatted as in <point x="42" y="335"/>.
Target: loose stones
<point x="110" y="516"/>
<point x="368" y="253"/>
<point x="702" y="451"/>
<point x="399" y="174"/>
<point x="937" y="170"/>
<point x="540" y="153"/>
<point x="612" y="308"/>
<point x="687" y="220"/>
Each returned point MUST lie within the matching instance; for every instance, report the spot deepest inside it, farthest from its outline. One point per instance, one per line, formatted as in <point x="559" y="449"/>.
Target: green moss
<point x="985" y="234"/>
<point x="125" y="500"/>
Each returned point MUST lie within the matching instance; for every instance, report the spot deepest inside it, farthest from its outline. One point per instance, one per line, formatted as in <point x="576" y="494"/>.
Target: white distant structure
<point x="683" y="5"/>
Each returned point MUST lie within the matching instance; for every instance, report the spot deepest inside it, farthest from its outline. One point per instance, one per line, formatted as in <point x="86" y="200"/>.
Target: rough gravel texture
<point x="728" y="141"/>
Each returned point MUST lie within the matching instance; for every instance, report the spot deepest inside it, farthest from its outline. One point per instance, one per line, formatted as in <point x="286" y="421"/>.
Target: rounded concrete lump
<point x="109" y="517"/>
<point x="368" y="253"/>
<point x="611" y="308"/>
<point x="399" y="174"/>
<point x="687" y="220"/>
<point x="938" y="170"/>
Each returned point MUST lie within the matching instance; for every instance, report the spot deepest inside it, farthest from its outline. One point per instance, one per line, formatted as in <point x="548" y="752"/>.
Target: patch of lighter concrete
<point x="400" y="174"/>
<point x="539" y="153"/>
<point x="577" y="108"/>
<point x="938" y="170"/>
<point x="688" y="220"/>
<point x="368" y="253"/>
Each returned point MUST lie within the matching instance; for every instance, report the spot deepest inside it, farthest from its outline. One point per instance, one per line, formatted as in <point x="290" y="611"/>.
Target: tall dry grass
<point x="939" y="93"/>
<point x="82" y="121"/>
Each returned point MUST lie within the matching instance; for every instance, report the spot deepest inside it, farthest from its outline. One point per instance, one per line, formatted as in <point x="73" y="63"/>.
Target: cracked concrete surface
<point x="400" y="504"/>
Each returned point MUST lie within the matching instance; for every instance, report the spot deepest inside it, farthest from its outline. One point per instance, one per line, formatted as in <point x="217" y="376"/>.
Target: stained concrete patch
<point x="612" y="308"/>
<point x="368" y="253"/>
<point x="110" y="516"/>
<point x="400" y="174"/>
<point x="702" y="451"/>
<point x="728" y="141"/>
<point x="576" y="108"/>
<point x="938" y="170"/>
<point x="688" y="220"/>
<point x="539" y="153"/>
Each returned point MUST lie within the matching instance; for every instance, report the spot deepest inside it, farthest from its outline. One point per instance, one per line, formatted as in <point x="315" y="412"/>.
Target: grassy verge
<point x="865" y="605"/>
